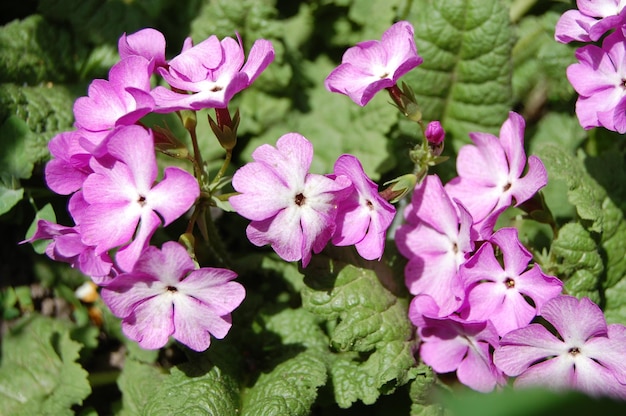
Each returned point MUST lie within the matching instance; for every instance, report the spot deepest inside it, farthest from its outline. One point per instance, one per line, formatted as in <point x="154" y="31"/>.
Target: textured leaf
<point x="465" y="80"/>
<point x="47" y="110"/>
<point x="195" y="388"/>
<point x="289" y="389"/>
<point x="367" y="325"/>
<point x="584" y="193"/>
<point x="39" y="374"/>
<point x="385" y="12"/>
<point x="421" y="393"/>
<point x="34" y="50"/>
<point x="138" y="384"/>
<point x="579" y="261"/>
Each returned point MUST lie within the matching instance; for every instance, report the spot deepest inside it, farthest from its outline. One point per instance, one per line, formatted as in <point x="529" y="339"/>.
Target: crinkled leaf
<point x="39" y="374"/>
<point x="584" y="192"/>
<point x="385" y="11"/>
<point x="195" y="388"/>
<point x="47" y="110"/>
<point x="578" y="261"/>
<point x="367" y="325"/>
<point x="465" y="80"/>
<point x="34" y="50"/>
<point x="138" y="383"/>
<point x="421" y="393"/>
<point x="289" y="389"/>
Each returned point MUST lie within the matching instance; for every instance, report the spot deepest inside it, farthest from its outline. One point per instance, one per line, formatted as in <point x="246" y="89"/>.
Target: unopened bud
<point x="225" y="128"/>
<point x="435" y="133"/>
<point x="399" y="187"/>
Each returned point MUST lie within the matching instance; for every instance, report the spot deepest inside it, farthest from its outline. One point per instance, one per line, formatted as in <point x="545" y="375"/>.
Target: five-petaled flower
<point x="373" y="65"/>
<point x="490" y="174"/>
<point x="364" y="216"/>
<point x="210" y="73"/>
<point x="584" y="354"/>
<point x="166" y="295"/>
<point x="292" y="210"/>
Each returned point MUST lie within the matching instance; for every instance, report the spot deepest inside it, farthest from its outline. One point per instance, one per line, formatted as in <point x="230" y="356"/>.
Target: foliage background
<point x="300" y="343"/>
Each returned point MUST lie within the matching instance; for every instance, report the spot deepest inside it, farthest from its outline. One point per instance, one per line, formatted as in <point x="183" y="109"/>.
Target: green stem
<point x="222" y="171"/>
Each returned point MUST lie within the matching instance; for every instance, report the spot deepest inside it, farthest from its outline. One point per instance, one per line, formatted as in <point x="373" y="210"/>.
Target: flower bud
<point x="435" y="133"/>
<point x="225" y="128"/>
<point x="399" y="187"/>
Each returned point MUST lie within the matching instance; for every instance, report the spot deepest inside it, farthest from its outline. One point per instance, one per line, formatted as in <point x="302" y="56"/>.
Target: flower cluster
<point x="599" y="77"/>
<point x="298" y="212"/>
<point x="108" y="165"/>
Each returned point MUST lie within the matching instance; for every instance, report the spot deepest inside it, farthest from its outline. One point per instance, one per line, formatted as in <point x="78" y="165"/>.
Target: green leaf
<point x="385" y="12"/>
<point x="39" y="374"/>
<point x="578" y="261"/>
<point x="422" y="389"/>
<point x="45" y="213"/>
<point x="34" y="50"/>
<point x="195" y="388"/>
<point x="47" y="110"/>
<point x="367" y="325"/>
<point x="17" y="158"/>
<point x="9" y="198"/>
<point x="584" y="193"/>
<point x="465" y="80"/>
<point x="138" y="383"/>
<point x="289" y="389"/>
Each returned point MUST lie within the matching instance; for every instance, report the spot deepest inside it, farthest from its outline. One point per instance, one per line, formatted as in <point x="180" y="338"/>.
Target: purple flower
<point x="500" y="294"/>
<point x="584" y="354"/>
<point x="164" y="294"/>
<point x="120" y="194"/>
<point x="212" y="71"/>
<point x="66" y="246"/>
<point x="120" y="101"/>
<point x="69" y="168"/>
<point x="599" y="79"/>
<point x="292" y="210"/>
<point x="436" y="239"/>
<point x="364" y="216"/>
<point x="373" y="65"/>
<point x="582" y="24"/>
<point x="449" y="344"/>
<point x="149" y="43"/>
<point x="490" y="174"/>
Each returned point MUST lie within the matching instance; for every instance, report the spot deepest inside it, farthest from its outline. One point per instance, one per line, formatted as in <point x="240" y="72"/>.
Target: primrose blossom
<point x="291" y="209"/>
<point x="592" y="20"/>
<point x="584" y="354"/>
<point x="373" y="65"/>
<point x="364" y="216"/>
<point x="165" y="294"/>
<point x="213" y="71"/>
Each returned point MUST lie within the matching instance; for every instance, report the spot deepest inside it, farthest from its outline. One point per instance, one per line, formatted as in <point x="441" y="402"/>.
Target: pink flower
<point x="165" y="295"/>
<point x="584" y="354"/>
<point x="583" y="24"/>
<point x="500" y="294"/>
<point x="149" y="43"/>
<point x="120" y="101"/>
<point x="66" y="246"/>
<point x="364" y="216"/>
<point x="212" y="71"/>
<point x="373" y="65"/>
<point x="69" y="168"/>
<point x="490" y="174"/>
<point x="599" y="79"/>
<point x="124" y="207"/>
<point x="436" y="239"/>
<point x="292" y="210"/>
<point x="449" y="344"/>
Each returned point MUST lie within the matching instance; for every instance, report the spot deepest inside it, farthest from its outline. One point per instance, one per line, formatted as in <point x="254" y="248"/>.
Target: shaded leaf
<point x="39" y="374"/>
